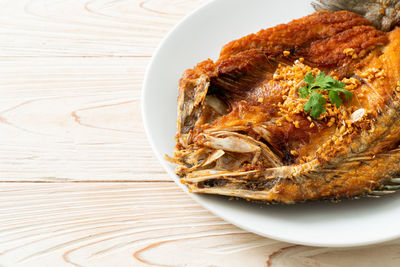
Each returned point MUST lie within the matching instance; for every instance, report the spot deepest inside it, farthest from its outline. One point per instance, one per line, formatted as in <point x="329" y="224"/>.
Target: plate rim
<point x="196" y="197"/>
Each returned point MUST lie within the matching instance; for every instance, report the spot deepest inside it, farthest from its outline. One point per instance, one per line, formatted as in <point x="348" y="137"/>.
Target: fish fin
<point x="384" y="15"/>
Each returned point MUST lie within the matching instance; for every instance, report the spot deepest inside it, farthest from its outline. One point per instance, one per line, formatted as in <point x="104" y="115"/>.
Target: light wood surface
<point x="79" y="184"/>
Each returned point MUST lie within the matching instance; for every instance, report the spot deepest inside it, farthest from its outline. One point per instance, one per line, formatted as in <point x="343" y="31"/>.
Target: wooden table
<point x="80" y="185"/>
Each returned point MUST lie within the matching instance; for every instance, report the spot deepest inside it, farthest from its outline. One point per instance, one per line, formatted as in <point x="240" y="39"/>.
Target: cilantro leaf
<point x="304" y="92"/>
<point x="335" y="98"/>
<point x="322" y="81"/>
<point x="309" y="78"/>
<point x="315" y="104"/>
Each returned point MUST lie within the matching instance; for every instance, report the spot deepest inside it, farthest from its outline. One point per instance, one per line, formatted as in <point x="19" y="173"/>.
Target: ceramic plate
<point x="200" y="36"/>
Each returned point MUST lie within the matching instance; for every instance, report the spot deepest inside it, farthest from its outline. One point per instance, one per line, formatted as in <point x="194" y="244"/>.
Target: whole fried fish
<point x="242" y="129"/>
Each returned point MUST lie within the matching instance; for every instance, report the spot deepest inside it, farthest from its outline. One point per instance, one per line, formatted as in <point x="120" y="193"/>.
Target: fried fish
<point x="243" y="130"/>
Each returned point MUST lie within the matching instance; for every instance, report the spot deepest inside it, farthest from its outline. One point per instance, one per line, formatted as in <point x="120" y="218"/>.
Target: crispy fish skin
<point x="295" y="34"/>
<point x="239" y="149"/>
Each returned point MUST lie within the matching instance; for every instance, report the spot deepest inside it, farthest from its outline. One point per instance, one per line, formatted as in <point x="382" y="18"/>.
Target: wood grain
<point x="63" y="86"/>
<point x="87" y="27"/>
<point x="79" y="184"/>
<point x="74" y="119"/>
<point x="143" y="224"/>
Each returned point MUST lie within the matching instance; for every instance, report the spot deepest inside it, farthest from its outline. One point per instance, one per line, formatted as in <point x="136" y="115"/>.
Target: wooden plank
<point x="141" y="224"/>
<point x="64" y="117"/>
<point x="87" y="28"/>
<point x="73" y="119"/>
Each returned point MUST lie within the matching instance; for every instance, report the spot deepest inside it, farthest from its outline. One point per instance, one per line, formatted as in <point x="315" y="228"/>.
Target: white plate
<point x="200" y="36"/>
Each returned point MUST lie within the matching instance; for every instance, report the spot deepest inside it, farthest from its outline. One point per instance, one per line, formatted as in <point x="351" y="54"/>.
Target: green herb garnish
<point x="316" y="101"/>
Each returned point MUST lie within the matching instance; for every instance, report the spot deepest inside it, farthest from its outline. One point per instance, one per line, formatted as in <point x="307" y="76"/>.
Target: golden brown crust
<point x="206" y="67"/>
<point x="317" y="154"/>
<point x="328" y="53"/>
<point x="295" y="34"/>
<point x="360" y="177"/>
<point x="243" y="71"/>
<point x="251" y="50"/>
<point x="319" y="38"/>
